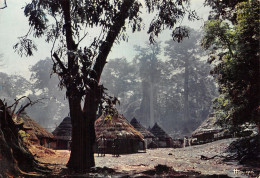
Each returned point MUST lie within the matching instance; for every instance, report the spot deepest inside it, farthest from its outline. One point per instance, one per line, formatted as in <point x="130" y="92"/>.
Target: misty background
<point x="167" y="82"/>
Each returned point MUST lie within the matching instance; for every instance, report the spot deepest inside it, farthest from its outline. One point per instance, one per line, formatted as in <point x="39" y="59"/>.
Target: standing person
<point x="115" y="146"/>
<point x="69" y="145"/>
<point x="189" y="141"/>
<point x="184" y="141"/>
<point x="104" y="142"/>
<point x="100" y="142"/>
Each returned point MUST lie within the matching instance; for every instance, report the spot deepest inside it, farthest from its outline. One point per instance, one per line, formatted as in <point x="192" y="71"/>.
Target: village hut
<point x="148" y="136"/>
<point x="164" y="140"/>
<point x="207" y="131"/>
<point x="37" y="134"/>
<point x="63" y="134"/>
<point x="117" y="128"/>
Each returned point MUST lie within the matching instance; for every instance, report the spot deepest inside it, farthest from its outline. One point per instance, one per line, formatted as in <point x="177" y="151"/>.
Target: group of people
<point x="187" y="141"/>
<point x="102" y="146"/>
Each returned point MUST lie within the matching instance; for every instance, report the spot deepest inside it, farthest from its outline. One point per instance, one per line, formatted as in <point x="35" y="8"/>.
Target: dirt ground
<point x="180" y="159"/>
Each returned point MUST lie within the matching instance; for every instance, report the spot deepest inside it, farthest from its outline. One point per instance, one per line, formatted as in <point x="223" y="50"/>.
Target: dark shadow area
<point x="246" y="151"/>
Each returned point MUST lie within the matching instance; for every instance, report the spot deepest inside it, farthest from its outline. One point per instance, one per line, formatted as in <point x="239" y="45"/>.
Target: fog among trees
<point x="53" y="106"/>
<point x="166" y="82"/>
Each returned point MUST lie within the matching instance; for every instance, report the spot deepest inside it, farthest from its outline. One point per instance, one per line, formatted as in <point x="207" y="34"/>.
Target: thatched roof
<point x="208" y="126"/>
<point x="159" y="132"/>
<point x="115" y="127"/>
<point x="33" y="128"/>
<point x="64" y="130"/>
<point x="141" y="129"/>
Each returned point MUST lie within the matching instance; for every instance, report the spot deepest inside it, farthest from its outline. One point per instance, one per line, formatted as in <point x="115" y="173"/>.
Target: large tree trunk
<point x="145" y="106"/>
<point x="83" y="134"/>
<point x="152" y="87"/>
<point x="151" y="104"/>
<point x="76" y="156"/>
<point x="186" y="114"/>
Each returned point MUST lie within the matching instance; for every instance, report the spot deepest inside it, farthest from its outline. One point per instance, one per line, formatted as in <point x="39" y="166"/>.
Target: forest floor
<point x="184" y="162"/>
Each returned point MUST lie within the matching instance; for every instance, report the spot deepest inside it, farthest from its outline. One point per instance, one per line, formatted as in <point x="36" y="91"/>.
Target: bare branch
<point x="83" y="37"/>
<point x="5" y="5"/>
<point x="56" y="35"/>
<point x="30" y="103"/>
<point x="15" y="103"/>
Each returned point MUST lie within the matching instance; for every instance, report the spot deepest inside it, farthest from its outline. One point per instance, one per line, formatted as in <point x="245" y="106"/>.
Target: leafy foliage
<point x="223" y="10"/>
<point x="235" y="53"/>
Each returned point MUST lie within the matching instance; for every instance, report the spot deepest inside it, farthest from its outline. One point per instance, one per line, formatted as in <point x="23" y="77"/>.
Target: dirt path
<point x="181" y="159"/>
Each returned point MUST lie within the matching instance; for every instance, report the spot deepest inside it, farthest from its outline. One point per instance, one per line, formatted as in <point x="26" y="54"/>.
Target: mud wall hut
<point x="164" y="140"/>
<point x="118" y="128"/>
<point x="62" y="134"/>
<point x="148" y="136"/>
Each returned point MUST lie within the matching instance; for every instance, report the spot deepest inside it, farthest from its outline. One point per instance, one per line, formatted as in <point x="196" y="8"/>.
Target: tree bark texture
<point x="15" y="158"/>
<point x="83" y="134"/>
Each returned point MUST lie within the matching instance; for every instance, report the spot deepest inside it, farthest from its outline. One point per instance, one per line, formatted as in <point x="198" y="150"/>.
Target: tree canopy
<point x="235" y="52"/>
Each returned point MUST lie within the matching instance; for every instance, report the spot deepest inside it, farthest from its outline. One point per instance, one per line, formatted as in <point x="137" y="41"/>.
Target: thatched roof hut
<point x="164" y="139"/>
<point x="118" y="128"/>
<point x="34" y="129"/>
<point x="205" y="132"/>
<point x="141" y="128"/>
<point x="63" y="134"/>
<point x="159" y="132"/>
<point x="149" y="138"/>
<point x="64" y="130"/>
<point x="37" y="134"/>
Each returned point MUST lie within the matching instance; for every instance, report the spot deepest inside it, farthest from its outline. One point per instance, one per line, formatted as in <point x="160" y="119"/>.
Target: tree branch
<point x="5" y="5"/>
<point x="24" y="107"/>
<point x="64" y="70"/>
<point x="71" y="46"/>
<point x="56" y="35"/>
<point x="15" y="103"/>
<point x="106" y="46"/>
<point x="30" y="103"/>
<point x="82" y="38"/>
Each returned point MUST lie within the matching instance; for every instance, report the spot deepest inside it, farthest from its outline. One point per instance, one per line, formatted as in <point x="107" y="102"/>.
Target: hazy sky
<point x="14" y="24"/>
